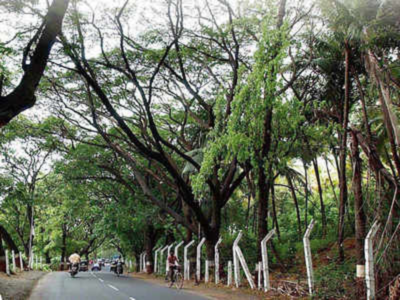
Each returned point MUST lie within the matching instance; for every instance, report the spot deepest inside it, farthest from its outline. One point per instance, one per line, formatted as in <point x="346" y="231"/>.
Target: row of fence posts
<point x="238" y="260"/>
<point x="33" y="263"/>
<point x="13" y="262"/>
<point x="261" y="267"/>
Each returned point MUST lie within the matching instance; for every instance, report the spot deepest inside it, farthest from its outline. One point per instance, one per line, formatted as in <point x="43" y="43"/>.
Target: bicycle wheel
<point x="178" y="280"/>
<point x="170" y="283"/>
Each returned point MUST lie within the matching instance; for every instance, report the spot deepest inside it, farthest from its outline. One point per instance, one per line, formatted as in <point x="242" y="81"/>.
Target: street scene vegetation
<point x="126" y="126"/>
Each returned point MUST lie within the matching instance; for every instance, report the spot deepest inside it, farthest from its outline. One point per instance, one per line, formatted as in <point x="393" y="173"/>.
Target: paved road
<point x="103" y="285"/>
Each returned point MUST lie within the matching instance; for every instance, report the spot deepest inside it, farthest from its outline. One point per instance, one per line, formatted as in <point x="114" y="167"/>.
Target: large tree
<point x="35" y="58"/>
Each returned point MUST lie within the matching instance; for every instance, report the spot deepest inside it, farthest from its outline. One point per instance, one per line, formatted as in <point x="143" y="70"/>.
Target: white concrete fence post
<point x="229" y="283"/>
<point x="198" y="259"/>
<point x="236" y="267"/>
<point x="308" y="257"/>
<point x="369" y="261"/>
<point x="176" y="250"/>
<point x="21" y="262"/>
<point x="186" y="262"/>
<point x="264" y="254"/>
<point x="207" y="272"/>
<point x="41" y="265"/>
<point x="7" y="264"/>
<point x="217" y="260"/>
<point x="155" y="259"/>
<point x="242" y="261"/>
<point x="160" y="269"/>
<point x="166" y="261"/>
<point x="14" y="266"/>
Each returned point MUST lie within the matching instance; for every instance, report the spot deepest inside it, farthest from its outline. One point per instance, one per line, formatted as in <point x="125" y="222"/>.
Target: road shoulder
<point x="20" y="285"/>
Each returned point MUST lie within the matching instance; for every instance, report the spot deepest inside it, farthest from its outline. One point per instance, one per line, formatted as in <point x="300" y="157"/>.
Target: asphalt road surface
<point x="103" y="285"/>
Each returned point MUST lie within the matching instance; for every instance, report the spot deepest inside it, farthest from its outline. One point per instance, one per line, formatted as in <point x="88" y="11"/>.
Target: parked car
<point x="83" y="266"/>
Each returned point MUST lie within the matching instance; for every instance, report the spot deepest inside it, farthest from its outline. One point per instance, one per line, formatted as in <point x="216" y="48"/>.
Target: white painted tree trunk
<point x="144" y="263"/>
<point x="30" y="262"/>
<point x="217" y="261"/>
<point x="186" y="262"/>
<point x="140" y="262"/>
<point x="21" y="262"/>
<point x="7" y="264"/>
<point x="14" y="266"/>
<point x="264" y="254"/>
<point x="198" y="259"/>
<point x="259" y="274"/>
<point x="229" y="283"/>
<point x="236" y="267"/>
<point x="308" y="257"/>
<point x="207" y="274"/>
<point x="369" y="261"/>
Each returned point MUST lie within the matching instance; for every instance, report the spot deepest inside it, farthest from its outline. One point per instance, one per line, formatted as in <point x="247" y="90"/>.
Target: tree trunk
<point x="276" y="224"/>
<point x="210" y="246"/>
<point x="296" y="204"/>
<point x="330" y="181"/>
<point x="342" y="157"/>
<point x="262" y="212"/>
<point x="360" y="219"/>
<point x="248" y="211"/>
<point x="47" y="257"/>
<point x="321" y="200"/>
<point x="306" y="194"/>
<point x="23" y="96"/>
<point x="2" y="252"/>
<point x="138" y="262"/>
<point x="390" y="134"/>
<point x="63" y="249"/>
<point x="8" y="239"/>
<point x="150" y="240"/>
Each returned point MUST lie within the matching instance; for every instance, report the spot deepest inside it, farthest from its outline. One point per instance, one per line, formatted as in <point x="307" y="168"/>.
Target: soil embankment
<point x="19" y="286"/>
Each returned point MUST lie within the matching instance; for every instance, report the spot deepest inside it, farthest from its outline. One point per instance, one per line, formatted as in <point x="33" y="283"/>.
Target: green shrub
<point x="335" y="281"/>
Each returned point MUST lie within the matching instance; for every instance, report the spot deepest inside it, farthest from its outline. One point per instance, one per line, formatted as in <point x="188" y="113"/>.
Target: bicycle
<point x="177" y="279"/>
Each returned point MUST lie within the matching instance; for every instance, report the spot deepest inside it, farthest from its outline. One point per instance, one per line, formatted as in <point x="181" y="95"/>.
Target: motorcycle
<point x="118" y="268"/>
<point x="74" y="269"/>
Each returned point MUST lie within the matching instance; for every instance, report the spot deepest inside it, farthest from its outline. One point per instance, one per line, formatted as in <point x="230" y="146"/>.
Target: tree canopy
<point x="175" y="121"/>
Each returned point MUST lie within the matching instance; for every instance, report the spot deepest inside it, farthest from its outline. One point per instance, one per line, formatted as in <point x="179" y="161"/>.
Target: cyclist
<point x="173" y="264"/>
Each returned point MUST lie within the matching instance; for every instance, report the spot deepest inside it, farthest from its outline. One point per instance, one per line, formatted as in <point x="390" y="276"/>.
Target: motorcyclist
<point x="115" y="264"/>
<point x="74" y="259"/>
<point x="172" y="264"/>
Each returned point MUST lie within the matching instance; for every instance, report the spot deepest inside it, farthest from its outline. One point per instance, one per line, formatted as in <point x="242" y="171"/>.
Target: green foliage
<point x="334" y="280"/>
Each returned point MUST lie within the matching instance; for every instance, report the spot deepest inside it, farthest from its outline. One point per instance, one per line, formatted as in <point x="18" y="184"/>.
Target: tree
<point x="33" y="63"/>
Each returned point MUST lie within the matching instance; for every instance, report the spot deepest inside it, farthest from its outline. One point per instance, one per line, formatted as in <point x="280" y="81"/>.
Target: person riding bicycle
<point x="173" y="264"/>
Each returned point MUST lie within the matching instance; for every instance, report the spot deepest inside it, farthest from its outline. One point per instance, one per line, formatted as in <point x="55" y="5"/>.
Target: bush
<point x="335" y="281"/>
<point x="45" y="268"/>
